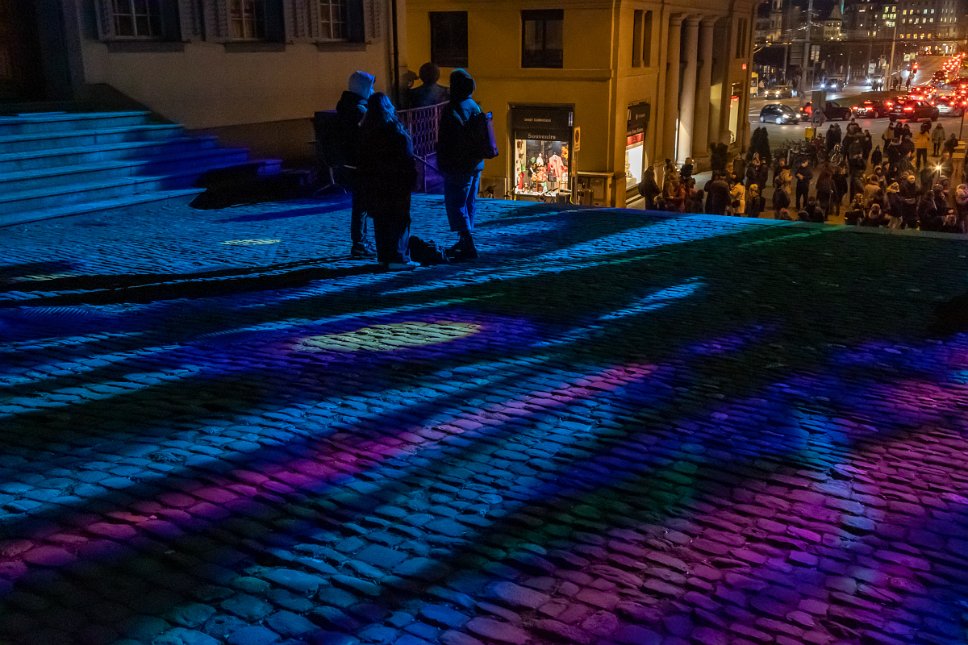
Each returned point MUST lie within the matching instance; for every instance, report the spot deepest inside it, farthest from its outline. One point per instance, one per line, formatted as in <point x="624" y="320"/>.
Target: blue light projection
<point x="627" y="431"/>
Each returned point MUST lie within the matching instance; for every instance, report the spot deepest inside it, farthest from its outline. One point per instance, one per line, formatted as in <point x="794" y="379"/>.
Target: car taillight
<point x="909" y="109"/>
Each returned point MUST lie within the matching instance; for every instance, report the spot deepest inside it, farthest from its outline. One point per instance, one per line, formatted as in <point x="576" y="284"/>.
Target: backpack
<point x="481" y="135"/>
<point x="426" y="251"/>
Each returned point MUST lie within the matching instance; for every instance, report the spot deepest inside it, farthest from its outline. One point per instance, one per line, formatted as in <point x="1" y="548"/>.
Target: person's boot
<point x="464" y="249"/>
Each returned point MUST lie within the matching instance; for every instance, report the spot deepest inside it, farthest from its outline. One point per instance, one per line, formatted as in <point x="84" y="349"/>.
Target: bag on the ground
<point x="481" y="127"/>
<point x="426" y="251"/>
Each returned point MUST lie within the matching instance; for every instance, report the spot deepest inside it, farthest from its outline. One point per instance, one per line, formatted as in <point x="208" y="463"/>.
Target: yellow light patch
<point x="379" y="338"/>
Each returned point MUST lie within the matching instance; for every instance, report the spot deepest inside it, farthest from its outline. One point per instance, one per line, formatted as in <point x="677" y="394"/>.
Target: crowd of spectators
<point x="902" y="181"/>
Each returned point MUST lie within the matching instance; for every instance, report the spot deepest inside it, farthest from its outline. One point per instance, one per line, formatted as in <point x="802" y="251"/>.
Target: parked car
<point x="872" y="109"/>
<point x="779" y="114"/>
<point x="832" y="111"/>
<point x="912" y="109"/>
<point x="779" y="92"/>
<point x="951" y="105"/>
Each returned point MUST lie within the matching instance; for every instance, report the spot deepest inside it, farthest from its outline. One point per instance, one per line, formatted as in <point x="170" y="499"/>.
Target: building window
<point x="448" y="38"/>
<point x="647" y="39"/>
<point x="637" y="38"/>
<point x="248" y="19"/>
<point x="136" y="19"/>
<point x="332" y="20"/>
<point x="542" y="36"/>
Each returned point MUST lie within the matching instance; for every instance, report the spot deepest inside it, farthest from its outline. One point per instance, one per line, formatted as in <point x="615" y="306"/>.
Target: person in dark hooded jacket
<point x="350" y="111"/>
<point x="386" y="175"/>
<point x="460" y="163"/>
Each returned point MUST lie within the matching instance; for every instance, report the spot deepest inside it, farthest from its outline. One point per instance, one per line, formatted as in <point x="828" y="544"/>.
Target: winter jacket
<point x="350" y="110"/>
<point x="386" y="169"/>
<point x="922" y="140"/>
<point x="455" y="147"/>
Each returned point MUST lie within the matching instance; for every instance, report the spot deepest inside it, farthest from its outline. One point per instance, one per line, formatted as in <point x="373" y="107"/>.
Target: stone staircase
<point x="55" y="164"/>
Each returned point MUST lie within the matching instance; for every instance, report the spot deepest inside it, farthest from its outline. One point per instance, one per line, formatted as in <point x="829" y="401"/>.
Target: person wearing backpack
<point x="350" y="111"/>
<point x="460" y="160"/>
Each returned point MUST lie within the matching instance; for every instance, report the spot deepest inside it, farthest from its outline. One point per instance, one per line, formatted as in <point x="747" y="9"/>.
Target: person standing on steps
<point x="460" y="163"/>
<point x="386" y="175"/>
<point x="350" y="111"/>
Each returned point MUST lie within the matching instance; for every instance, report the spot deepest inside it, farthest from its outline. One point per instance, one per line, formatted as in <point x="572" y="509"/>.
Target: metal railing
<point x="423" y="125"/>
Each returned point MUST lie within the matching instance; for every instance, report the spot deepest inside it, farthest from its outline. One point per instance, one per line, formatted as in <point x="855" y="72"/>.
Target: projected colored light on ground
<point x="390" y="336"/>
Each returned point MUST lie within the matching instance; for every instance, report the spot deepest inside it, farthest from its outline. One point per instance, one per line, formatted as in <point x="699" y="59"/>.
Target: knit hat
<point x="361" y="83"/>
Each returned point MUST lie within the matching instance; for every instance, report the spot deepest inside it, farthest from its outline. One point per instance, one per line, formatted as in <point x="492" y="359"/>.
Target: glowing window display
<point x="635" y="158"/>
<point x="542" y="151"/>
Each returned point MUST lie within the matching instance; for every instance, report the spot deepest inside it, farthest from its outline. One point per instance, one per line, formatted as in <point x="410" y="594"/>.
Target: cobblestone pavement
<point x="612" y="428"/>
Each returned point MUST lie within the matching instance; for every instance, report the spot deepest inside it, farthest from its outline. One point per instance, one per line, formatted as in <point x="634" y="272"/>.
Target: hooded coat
<point x="455" y="147"/>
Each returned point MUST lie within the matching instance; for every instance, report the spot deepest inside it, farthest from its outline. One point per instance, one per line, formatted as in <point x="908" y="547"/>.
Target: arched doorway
<point x="21" y="66"/>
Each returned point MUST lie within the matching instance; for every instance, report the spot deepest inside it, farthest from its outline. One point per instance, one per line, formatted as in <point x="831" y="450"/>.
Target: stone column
<point x="687" y="102"/>
<point x="718" y="90"/>
<point x="700" y="140"/>
<point x="671" y="89"/>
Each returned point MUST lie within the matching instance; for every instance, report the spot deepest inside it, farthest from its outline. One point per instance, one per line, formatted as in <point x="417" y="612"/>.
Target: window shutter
<point x="189" y="22"/>
<point x="312" y="18"/>
<point x="171" y="29"/>
<point x="104" y="13"/>
<point x="374" y="20"/>
<point x="297" y="20"/>
<point x="356" y="21"/>
<point x="275" y="21"/>
<point x="216" y="20"/>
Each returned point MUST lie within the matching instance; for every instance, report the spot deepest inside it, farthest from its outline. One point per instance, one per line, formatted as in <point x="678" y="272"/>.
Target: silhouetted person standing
<point x="350" y="111"/>
<point x="387" y="174"/>
<point x="460" y="163"/>
<point x="430" y="93"/>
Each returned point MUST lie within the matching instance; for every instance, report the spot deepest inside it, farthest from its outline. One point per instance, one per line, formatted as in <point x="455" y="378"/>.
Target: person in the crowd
<point x="737" y="196"/>
<point x="825" y="189"/>
<point x="928" y="216"/>
<point x="649" y="188"/>
<point x="784" y="214"/>
<point x="871" y="186"/>
<point x="951" y="144"/>
<point x="922" y="141"/>
<point x="950" y="223"/>
<point x="717" y="194"/>
<point x="937" y="138"/>
<point x="876" y="156"/>
<point x="694" y="196"/>
<point x="856" y="212"/>
<point x="350" y="111"/>
<point x="430" y="92"/>
<point x="387" y="172"/>
<point x="961" y="206"/>
<point x="874" y="217"/>
<point x="895" y="205"/>
<point x="803" y="176"/>
<point x="812" y="212"/>
<point x="460" y="163"/>
<point x="867" y="143"/>
<point x="755" y="202"/>
<point x="840" y="188"/>
<point x="909" y="202"/>
<point x="685" y="172"/>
